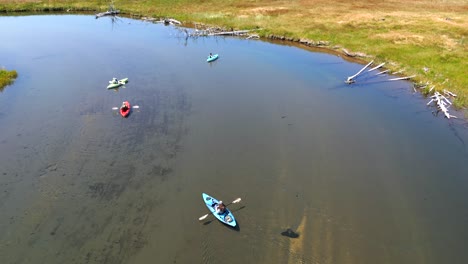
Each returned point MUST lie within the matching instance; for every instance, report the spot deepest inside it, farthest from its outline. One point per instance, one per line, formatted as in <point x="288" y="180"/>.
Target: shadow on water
<point x="116" y="89"/>
<point x="240" y="208"/>
<point x="208" y="222"/>
<point x="290" y="233"/>
<point x="236" y="228"/>
<point x="213" y="63"/>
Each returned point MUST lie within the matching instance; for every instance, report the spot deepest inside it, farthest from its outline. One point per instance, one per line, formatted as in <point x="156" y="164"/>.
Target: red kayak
<point x="125" y="111"/>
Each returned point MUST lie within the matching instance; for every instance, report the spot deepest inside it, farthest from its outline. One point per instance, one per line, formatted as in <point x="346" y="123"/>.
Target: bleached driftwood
<point x="376" y="67"/>
<point x="253" y="37"/>
<point x="402" y="78"/>
<point x="448" y="93"/>
<point x="351" y="78"/>
<point x="347" y="53"/>
<point x="420" y="85"/>
<point x="230" y="33"/>
<point x="219" y="32"/>
<point x="172" y="21"/>
<point x="382" y="72"/>
<point x="442" y="104"/>
<point x="149" y="19"/>
<point x="108" y="13"/>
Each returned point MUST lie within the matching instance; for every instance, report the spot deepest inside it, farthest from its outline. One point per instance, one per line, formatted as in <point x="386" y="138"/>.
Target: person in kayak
<point x="124" y="107"/>
<point x="211" y="55"/>
<point x="220" y="207"/>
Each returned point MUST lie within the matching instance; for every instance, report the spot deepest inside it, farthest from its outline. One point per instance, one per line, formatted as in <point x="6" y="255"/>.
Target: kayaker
<point x="124" y="106"/>
<point x="220" y="207"/>
<point x="211" y="55"/>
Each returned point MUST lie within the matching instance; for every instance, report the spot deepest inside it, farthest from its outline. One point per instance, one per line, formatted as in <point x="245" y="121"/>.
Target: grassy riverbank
<point x="426" y="38"/>
<point x="6" y="77"/>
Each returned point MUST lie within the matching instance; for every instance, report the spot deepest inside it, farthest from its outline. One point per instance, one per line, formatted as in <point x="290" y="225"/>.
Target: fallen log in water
<point x="351" y="78"/>
<point x="149" y="19"/>
<point x="230" y="33"/>
<point x="219" y="32"/>
<point x="382" y="72"/>
<point x="253" y="37"/>
<point x="166" y="21"/>
<point x="172" y="21"/>
<point x="441" y="102"/>
<point x="347" y="53"/>
<point x="376" y="67"/>
<point x="402" y="78"/>
<point x="108" y="13"/>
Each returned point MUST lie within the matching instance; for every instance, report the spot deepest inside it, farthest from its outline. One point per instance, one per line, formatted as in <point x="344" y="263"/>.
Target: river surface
<point x="358" y="174"/>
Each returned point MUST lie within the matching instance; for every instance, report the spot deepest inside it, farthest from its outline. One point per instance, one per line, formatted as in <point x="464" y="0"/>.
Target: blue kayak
<point x="226" y="217"/>
<point x="212" y="58"/>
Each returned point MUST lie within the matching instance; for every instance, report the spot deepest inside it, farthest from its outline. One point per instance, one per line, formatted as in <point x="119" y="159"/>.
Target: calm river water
<point x="361" y="174"/>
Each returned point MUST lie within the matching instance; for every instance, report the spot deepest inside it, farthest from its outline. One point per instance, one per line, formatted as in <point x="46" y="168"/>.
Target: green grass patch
<point x="7" y="77"/>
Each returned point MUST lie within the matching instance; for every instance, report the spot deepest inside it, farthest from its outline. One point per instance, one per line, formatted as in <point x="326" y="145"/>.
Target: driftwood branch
<point x="442" y="104"/>
<point x="254" y="36"/>
<point x="376" y="67"/>
<point x="402" y="78"/>
<point x="172" y="21"/>
<point x="111" y="12"/>
<point x="382" y="72"/>
<point x="347" y="53"/>
<point x="351" y="78"/>
<point x="448" y="93"/>
<point x="230" y="33"/>
<point x="108" y="13"/>
<point x="218" y="32"/>
<point x="167" y="21"/>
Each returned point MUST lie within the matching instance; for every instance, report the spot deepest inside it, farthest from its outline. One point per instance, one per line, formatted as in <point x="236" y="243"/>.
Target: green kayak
<point x="123" y="81"/>
<point x="117" y="83"/>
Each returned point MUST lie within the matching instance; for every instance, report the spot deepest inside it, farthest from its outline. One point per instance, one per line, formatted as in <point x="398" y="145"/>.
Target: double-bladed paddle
<point x="117" y="108"/>
<point x="233" y="202"/>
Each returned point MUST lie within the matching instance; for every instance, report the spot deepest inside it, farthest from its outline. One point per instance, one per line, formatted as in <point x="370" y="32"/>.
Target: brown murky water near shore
<point x="358" y="174"/>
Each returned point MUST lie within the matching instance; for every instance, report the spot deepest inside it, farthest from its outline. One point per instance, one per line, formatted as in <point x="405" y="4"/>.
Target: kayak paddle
<point x="117" y="108"/>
